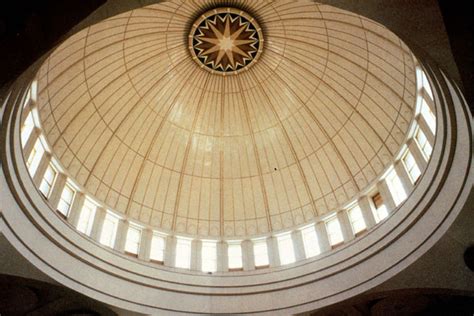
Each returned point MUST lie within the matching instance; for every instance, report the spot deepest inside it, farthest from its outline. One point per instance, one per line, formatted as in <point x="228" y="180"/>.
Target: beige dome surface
<point x="136" y="121"/>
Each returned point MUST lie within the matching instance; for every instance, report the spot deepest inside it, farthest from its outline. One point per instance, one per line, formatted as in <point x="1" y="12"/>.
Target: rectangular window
<point x="183" y="253"/>
<point x="234" y="253"/>
<point x="46" y="184"/>
<point x="428" y="115"/>
<point x="411" y="166"/>
<point x="132" y="243"/>
<point x="357" y="220"/>
<point x="310" y="241"/>
<point x="34" y="90"/>
<point x="426" y="84"/>
<point x="109" y="230"/>
<point x="35" y="157"/>
<point x="423" y="143"/>
<point x="381" y="211"/>
<point x="260" y="253"/>
<point x="334" y="232"/>
<point x="27" y="128"/>
<point x="285" y="249"/>
<point x="86" y="218"/>
<point x="158" y="245"/>
<point x="209" y="256"/>
<point x="396" y="187"/>
<point x="65" y="202"/>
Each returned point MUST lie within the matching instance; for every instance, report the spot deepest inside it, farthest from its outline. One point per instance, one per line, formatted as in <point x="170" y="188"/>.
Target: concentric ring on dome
<point x="225" y="41"/>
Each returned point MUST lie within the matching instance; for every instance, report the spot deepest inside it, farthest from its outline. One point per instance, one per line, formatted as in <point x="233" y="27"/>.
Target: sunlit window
<point x="423" y="143"/>
<point x="132" y="243"/>
<point x="286" y="249"/>
<point x="381" y="211"/>
<point x="357" y="220"/>
<point x="46" y="184"/>
<point x="34" y="90"/>
<point x="209" y="256"/>
<point x="260" y="253"/>
<point x="109" y="230"/>
<point x="65" y="202"/>
<point x="411" y="166"/>
<point x="35" y="157"/>
<point x="396" y="187"/>
<point x="27" y="99"/>
<point x="426" y="84"/>
<point x="183" y="253"/>
<point x="334" y="231"/>
<point x="158" y="245"/>
<point x="234" y="253"/>
<point x="86" y="218"/>
<point x="27" y="128"/>
<point x="428" y="116"/>
<point x="310" y="241"/>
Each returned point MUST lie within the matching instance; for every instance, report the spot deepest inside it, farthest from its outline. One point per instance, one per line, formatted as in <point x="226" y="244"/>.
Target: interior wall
<point x="27" y="31"/>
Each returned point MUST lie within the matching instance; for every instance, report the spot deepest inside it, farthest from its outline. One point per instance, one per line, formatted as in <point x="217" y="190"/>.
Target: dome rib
<point x="140" y="126"/>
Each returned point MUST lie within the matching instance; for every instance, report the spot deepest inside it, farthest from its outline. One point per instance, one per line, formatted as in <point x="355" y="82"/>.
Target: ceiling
<point x="143" y="128"/>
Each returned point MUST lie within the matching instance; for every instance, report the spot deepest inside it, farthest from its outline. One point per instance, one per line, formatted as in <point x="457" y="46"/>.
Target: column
<point x="426" y="129"/>
<point x="196" y="255"/>
<point x="76" y="207"/>
<point x="248" y="259"/>
<point x="417" y="154"/>
<point x="222" y="257"/>
<point x="298" y="245"/>
<point x="43" y="165"/>
<point x="170" y="251"/>
<point x="98" y="223"/>
<point x="384" y="191"/>
<point x="273" y="253"/>
<point x="402" y="173"/>
<point x="346" y="227"/>
<point x="145" y="244"/>
<point x="30" y="143"/>
<point x="323" y="239"/>
<point x="367" y="213"/>
<point x="57" y="190"/>
<point x="121" y="236"/>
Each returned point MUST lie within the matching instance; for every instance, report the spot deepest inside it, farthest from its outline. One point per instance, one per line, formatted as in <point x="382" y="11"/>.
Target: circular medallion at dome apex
<point x="225" y="40"/>
<point x="143" y="129"/>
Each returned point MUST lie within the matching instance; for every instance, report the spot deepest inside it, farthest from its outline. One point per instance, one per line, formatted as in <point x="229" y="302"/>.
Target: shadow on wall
<point x="430" y="302"/>
<point x="20" y="296"/>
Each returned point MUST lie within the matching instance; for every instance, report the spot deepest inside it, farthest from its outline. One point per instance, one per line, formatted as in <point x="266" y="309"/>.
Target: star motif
<point x="225" y="41"/>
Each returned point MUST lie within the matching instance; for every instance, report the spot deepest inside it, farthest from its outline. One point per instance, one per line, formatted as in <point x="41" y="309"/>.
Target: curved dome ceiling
<point x="144" y="128"/>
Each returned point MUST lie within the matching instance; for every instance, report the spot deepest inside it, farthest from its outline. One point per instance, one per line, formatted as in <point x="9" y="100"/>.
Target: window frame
<point x="263" y="263"/>
<point x="239" y="260"/>
<point x="309" y="248"/>
<point x="67" y="186"/>
<point x="110" y="217"/>
<point x="379" y="209"/>
<point x="286" y="254"/>
<point x="45" y="181"/>
<point x="205" y="260"/>
<point x="183" y="244"/>
<point x="340" y="240"/>
<point x="88" y="204"/>
<point x="155" y="236"/>
<point x="352" y="220"/>
<point x="129" y="248"/>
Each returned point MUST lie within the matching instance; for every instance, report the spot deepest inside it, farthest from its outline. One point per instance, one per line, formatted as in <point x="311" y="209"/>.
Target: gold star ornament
<point x="225" y="41"/>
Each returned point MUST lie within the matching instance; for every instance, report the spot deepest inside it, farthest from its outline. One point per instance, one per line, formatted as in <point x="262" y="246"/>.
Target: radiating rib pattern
<point x="141" y="127"/>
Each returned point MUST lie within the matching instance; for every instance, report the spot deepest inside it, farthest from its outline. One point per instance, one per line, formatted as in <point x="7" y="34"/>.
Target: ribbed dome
<point x="142" y="127"/>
